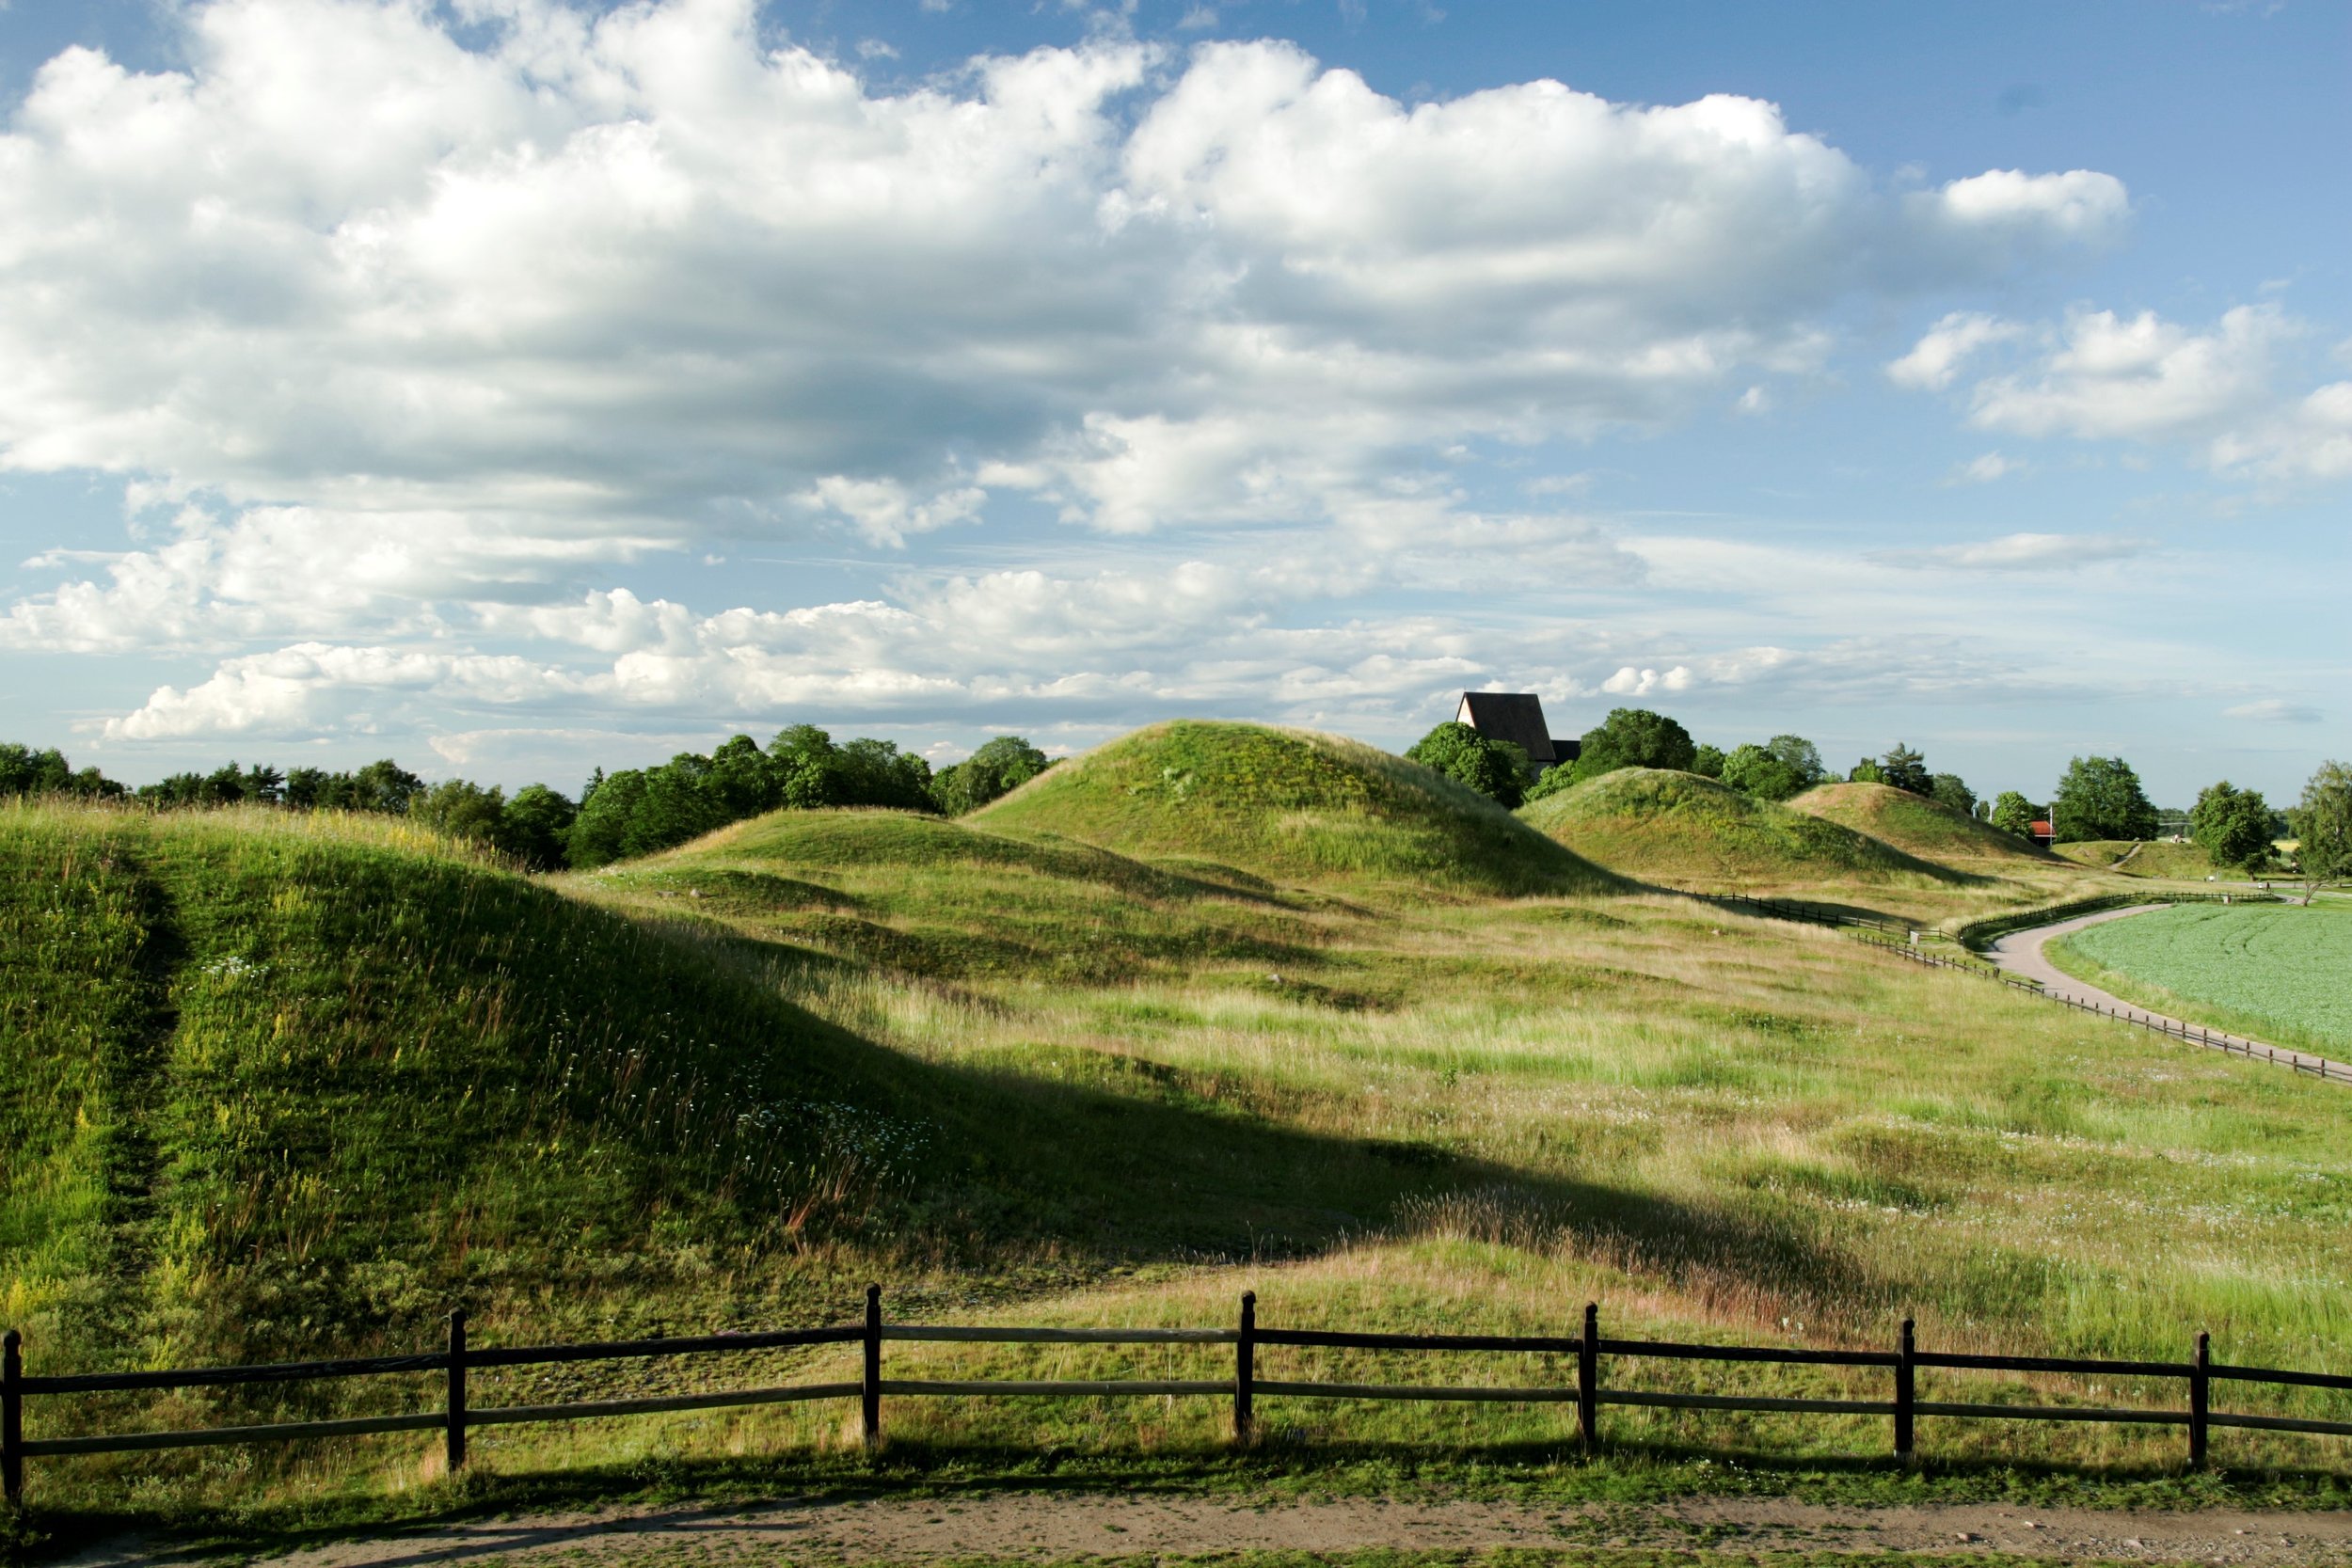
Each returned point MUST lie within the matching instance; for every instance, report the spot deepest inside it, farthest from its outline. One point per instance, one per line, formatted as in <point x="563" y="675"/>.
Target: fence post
<point x="870" y="1388"/>
<point x="1588" y="1379"/>
<point x="453" y="1431"/>
<point x="1906" y="1390"/>
<point x="13" y="1418"/>
<point x="1245" y="1369"/>
<point x="2200" y="1401"/>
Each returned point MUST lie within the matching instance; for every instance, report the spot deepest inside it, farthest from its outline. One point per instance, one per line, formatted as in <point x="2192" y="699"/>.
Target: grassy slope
<point x="1457" y="1112"/>
<point x="1293" y="805"/>
<point x="2274" y="973"/>
<point x="1683" y="828"/>
<point x="2172" y="861"/>
<point x="1914" y="825"/>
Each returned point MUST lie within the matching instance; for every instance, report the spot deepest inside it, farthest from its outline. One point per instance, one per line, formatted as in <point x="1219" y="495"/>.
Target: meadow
<point x="287" y="1087"/>
<point x="2276" y="971"/>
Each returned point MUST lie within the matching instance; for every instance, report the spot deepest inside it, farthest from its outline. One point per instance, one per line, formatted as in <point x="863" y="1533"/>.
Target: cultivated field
<point x="2281" y="973"/>
<point x="295" y="1087"/>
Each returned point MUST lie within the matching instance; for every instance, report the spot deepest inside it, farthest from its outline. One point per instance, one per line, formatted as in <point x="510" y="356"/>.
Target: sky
<point x="515" y="387"/>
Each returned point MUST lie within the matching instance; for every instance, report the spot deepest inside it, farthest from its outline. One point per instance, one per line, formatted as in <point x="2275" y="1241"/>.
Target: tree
<point x="25" y="771"/>
<point x="462" y="810"/>
<point x="2323" y="826"/>
<point x="535" y="825"/>
<point x="805" y="758"/>
<point x="1496" y="768"/>
<point x="1754" y="769"/>
<point x="1905" y="769"/>
<point x="1947" y="789"/>
<point x="2013" y="813"/>
<point x="1801" y="757"/>
<point x="2100" y="798"/>
<point x="742" y="779"/>
<point x="1634" y="737"/>
<point x="1867" y="771"/>
<point x="1707" y="762"/>
<point x="2231" y="825"/>
<point x="600" y="834"/>
<point x="997" y="768"/>
<point x="869" y="772"/>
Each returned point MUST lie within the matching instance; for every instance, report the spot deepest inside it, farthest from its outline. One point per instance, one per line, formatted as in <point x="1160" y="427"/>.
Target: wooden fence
<point x="1588" y="1393"/>
<point x="1861" y="929"/>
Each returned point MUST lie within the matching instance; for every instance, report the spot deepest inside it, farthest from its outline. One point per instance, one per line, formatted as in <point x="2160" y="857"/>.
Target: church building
<point x="1517" y="717"/>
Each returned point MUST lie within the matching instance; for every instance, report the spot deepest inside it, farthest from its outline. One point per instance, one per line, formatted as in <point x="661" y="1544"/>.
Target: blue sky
<point x="513" y="387"/>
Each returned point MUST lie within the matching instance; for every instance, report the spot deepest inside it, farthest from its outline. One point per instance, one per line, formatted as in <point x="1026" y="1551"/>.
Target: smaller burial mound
<point x="1916" y="825"/>
<point x="1290" y="804"/>
<point x="1680" y="827"/>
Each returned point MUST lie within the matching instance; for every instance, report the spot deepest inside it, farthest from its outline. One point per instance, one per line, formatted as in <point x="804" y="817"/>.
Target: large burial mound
<point x="1290" y="804"/>
<point x="278" y="1081"/>
<point x="1679" y="827"/>
<point x="1915" y="824"/>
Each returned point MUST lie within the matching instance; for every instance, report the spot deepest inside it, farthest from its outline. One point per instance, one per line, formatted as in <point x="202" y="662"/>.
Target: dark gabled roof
<point x="1568" y="750"/>
<point x="1517" y="717"/>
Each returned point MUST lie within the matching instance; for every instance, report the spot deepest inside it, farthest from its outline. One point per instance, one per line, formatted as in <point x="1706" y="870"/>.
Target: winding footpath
<point x="2020" y="953"/>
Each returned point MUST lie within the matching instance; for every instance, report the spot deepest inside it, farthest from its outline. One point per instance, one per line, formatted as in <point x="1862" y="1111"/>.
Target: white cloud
<point x="2026" y="552"/>
<point x="1630" y="682"/>
<point x="2275" y="710"/>
<point x="2225" y="394"/>
<point x="1984" y="469"/>
<point x="1936" y="360"/>
<point x="629" y="278"/>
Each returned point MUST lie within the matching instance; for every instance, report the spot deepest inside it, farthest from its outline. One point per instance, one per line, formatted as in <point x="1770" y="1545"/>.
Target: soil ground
<point x="1043" y="1528"/>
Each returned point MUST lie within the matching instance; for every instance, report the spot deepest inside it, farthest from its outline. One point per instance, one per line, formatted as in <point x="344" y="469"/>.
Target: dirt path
<point x="1034" y="1527"/>
<point x="2021" y="954"/>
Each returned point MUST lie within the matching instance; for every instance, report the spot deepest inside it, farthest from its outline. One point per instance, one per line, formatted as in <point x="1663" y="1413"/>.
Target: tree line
<point x="633" y="811"/>
<point x="2097" y="798"/>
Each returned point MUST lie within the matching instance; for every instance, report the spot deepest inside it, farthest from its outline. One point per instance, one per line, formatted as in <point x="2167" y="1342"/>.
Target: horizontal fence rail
<point x="1860" y="928"/>
<point x="1586" y="1389"/>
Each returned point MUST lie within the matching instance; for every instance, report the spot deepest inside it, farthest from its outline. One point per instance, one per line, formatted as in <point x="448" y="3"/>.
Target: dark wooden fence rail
<point x="1859" y="929"/>
<point x="1587" y="1393"/>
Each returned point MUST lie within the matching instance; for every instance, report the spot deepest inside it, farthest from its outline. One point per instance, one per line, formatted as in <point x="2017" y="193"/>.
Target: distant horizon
<point x="529" y="388"/>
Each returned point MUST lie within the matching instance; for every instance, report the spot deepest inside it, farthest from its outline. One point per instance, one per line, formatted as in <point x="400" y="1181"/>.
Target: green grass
<point x="1685" y="830"/>
<point x="1916" y="825"/>
<point x="293" y="1087"/>
<point x="1290" y="804"/>
<point x="2275" y="971"/>
<point x="2185" y="863"/>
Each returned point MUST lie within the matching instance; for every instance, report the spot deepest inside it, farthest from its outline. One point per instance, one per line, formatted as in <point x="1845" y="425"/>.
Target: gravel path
<point x="2021" y="954"/>
<point x="1045" y="1528"/>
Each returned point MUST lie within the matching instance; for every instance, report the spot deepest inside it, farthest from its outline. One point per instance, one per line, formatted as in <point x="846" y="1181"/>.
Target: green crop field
<point x="2278" y="972"/>
<point x="1221" y="1008"/>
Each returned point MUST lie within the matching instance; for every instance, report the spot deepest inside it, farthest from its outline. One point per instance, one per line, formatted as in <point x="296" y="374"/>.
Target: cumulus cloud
<point x="607" y="280"/>
<point x="1630" y="682"/>
<point x="1936" y="360"/>
<point x="1984" y="469"/>
<point x="2225" y="392"/>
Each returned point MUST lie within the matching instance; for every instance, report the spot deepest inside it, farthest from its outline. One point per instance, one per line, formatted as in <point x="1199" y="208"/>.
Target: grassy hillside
<point x="1292" y="806"/>
<point x="295" y="1087"/>
<point x="1685" y="830"/>
<point x="2140" y="858"/>
<point x="1916" y="825"/>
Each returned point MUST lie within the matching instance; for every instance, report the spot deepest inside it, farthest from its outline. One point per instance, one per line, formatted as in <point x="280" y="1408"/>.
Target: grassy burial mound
<point x="1291" y="805"/>
<point x="1684" y="829"/>
<point x="1918" y="826"/>
<point x="918" y="895"/>
<point x="278" y="1082"/>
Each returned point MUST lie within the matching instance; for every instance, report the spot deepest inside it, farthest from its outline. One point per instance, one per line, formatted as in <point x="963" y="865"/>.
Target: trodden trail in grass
<point x="1046" y="1527"/>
